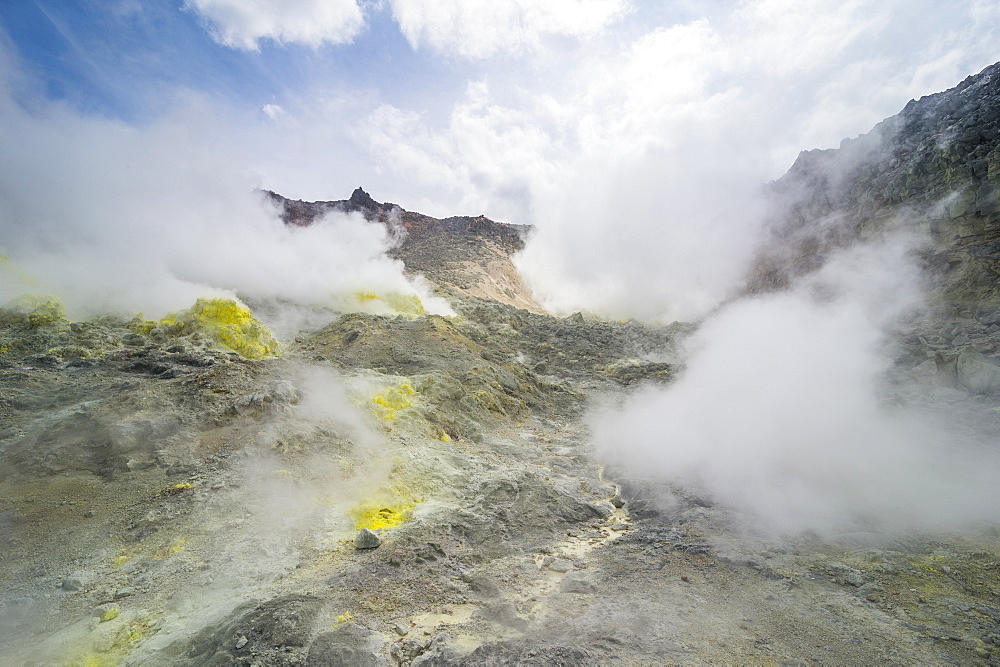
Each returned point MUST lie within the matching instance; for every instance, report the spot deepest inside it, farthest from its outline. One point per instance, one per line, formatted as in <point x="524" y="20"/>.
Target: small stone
<point x="401" y="629"/>
<point x="577" y="582"/>
<point x="89" y="514"/>
<point x="366" y="539"/>
<point x="618" y="501"/>
<point x="109" y="614"/>
<point x="502" y="612"/>
<point x="560" y="565"/>
<point x="602" y="509"/>
<point x="848" y="575"/>
<point x="241" y="642"/>
<point x="75" y="581"/>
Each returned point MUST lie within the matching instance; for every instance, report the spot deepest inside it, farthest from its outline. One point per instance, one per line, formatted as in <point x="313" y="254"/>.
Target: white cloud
<point x="488" y="154"/>
<point x="112" y="218"/>
<point x="640" y="160"/>
<point x="273" y="111"/>
<point x="481" y="28"/>
<point x="242" y="24"/>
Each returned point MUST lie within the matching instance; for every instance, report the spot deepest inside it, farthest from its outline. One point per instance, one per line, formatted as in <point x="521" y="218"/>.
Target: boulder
<point x="348" y="644"/>
<point x="977" y="373"/>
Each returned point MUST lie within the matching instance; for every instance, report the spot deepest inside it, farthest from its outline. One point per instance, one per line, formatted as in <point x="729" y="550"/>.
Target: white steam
<point x="113" y="218"/>
<point x="778" y="413"/>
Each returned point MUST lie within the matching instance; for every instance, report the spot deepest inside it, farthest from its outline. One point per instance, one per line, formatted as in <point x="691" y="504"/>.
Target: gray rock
<point x="577" y="582"/>
<point x="847" y="574"/>
<point x="348" y="644"/>
<point x="989" y="316"/>
<point x="271" y="627"/>
<point x="438" y="652"/>
<point x="560" y="565"/>
<point x="603" y="509"/>
<point x="133" y="339"/>
<point x="977" y="373"/>
<point x="503" y="613"/>
<point x="482" y="587"/>
<point x="515" y="652"/>
<point x="408" y="649"/>
<point x="76" y="581"/>
<point x="366" y="539"/>
<point x="273" y="398"/>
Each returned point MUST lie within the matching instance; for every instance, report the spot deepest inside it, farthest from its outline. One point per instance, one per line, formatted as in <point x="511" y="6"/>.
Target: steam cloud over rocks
<point x="779" y="413"/>
<point x="115" y="219"/>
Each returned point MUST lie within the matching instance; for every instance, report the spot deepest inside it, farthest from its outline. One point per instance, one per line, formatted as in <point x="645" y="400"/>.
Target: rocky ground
<point x="164" y="501"/>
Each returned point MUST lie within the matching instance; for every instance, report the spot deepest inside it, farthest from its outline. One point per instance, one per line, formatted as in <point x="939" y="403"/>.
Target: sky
<point x="434" y="103"/>
<point x="635" y="135"/>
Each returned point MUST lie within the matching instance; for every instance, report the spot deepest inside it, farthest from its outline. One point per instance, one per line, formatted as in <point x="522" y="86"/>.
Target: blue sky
<point x="116" y="58"/>
<point x="612" y="125"/>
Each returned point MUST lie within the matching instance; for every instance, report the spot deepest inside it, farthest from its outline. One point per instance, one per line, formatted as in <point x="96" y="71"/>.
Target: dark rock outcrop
<point x="933" y="170"/>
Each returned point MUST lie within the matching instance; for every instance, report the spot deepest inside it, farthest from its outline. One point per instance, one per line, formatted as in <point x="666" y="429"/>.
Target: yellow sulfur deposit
<point x="344" y="618"/>
<point x="107" y="651"/>
<point x="406" y="304"/>
<point x="386" y="403"/>
<point x="37" y="310"/>
<point x="386" y="509"/>
<point x="229" y="323"/>
<point x="376" y="516"/>
<point x="174" y="547"/>
<point x="401" y="304"/>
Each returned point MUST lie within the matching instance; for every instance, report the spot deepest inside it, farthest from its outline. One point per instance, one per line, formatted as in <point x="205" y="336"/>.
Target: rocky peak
<point x="460" y="255"/>
<point x="363" y="200"/>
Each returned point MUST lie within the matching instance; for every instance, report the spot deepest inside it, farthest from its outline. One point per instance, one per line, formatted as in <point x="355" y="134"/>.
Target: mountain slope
<point x="932" y="170"/>
<point x="459" y="255"/>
